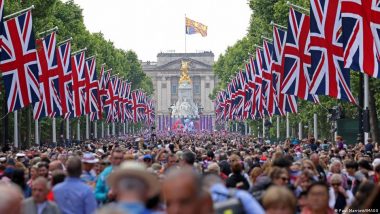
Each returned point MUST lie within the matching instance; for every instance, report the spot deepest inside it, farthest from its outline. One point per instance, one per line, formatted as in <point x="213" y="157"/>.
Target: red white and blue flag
<point x="50" y="103"/>
<point x="79" y="83"/>
<point x="259" y="97"/>
<point x="329" y="77"/>
<point x="110" y="102"/>
<point x="92" y="90"/>
<point x="65" y="78"/>
<point x="297" y="57"/>
<point x="286" y="102"/>
<point x="19" y="63"/>
<point x="361" y="35"/>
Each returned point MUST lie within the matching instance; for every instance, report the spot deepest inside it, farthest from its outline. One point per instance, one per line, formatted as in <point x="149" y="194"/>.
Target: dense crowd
<point x="205" y="172"/>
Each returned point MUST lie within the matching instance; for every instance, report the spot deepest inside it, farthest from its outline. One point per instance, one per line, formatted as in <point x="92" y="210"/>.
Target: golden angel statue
<point x="185" y="72"/>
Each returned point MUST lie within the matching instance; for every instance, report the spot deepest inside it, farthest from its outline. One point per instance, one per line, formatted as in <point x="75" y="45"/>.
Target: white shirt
<point x="41" y="207"/>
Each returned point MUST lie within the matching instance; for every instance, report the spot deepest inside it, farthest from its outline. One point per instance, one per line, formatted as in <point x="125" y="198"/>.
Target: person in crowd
<point x="101" y="188"/>
<point x="18" y="178"/>
<point x="336" y="168"/>
<point x="317" y="199"/>
<point x="187" y="159"/>
<point x="351" y="168"/>
<point x="236" y="179"/>
<point x="38" y="203"/>
<point x="219" y="193"/>
<point x="73" y="195"/>
<point x="33" y="174"/>
<point x="132" y="186"/>
<point x="88" y="174"/>
<point x="339" y="198"/>
<point x="191" y="199"/>
<point x="279" y="176"/>
<point x="279" y="199"/>
<point x="11" y="198"/>
<point x="57" y="177"/>
<point x="317" y="163"/>
<point x="43" y="169"/>
<point x="148" y="160"/>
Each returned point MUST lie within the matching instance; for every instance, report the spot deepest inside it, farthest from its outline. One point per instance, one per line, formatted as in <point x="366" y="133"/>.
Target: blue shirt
<point x="220" y="193"/>
<point x="73" y="196"/>
<point x="101" y="189"/>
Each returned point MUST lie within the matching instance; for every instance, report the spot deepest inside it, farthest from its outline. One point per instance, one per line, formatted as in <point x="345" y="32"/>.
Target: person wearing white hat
<point x="133" y="185"/>
<point x="88" y="174"/>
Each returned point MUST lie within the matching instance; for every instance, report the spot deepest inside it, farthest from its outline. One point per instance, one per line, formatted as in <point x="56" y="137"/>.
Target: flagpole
<point x="48" y="31"/>
<point x="287" y="125"/>
<point x="54" y="138"/>
<point x="19" y="12"/>
<point x="113" y="128"/>
<point x="15" y="130"/>
<point x="366" y="104"/>
<point x="67" y="128"/>
<point x="300" y="130"/>
<point x="87" y="128"/>
<point x="108" y="130"/>
<point x="278" y="127"/>
<point x="315" y="126"/>
<point x="95" y="130"/>
<point x="78" y="130"/>
<point x="102" y="134"/>
<point x="36" y="137"/>
<point x="297" y="7"/>
<point x="263" y="127"/>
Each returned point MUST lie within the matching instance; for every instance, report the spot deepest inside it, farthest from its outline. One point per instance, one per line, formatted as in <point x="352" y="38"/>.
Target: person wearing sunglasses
<point x="339" y="197"/>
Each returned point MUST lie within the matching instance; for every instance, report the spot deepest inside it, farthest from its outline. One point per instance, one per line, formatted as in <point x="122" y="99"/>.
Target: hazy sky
<point x="152" y="26"/>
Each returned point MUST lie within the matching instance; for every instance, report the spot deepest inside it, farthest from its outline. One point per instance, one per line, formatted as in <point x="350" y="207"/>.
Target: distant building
<point x="165" y="75"/>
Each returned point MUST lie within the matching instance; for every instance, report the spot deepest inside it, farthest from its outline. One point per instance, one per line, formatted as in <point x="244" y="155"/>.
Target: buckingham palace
<point x="165" y="74"/>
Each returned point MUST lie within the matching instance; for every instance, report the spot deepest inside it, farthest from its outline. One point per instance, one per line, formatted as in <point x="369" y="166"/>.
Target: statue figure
<point x="185" y="72"/>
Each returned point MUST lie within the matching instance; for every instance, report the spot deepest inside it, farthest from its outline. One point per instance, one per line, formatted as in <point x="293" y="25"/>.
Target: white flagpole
<point x="246" y="128"/>
<point x="315" y="126"/>
<point x="287" y="125"/>
<point x="263" y="128"/>
<point x="36" y="134"/>
<point x="95" y="130"/>
<point x="366" y="102"/>
<point x="54" y="138"/>
<point x="278" y="127"/>
<point x="113" y="128"/>
<point x="67" y="128"/>
<point x="78" y="130"/>
<point x="87" y="128"/>
<point x="300" y="130"/>
<point x="108" y="130"/>
<point x="124" y="128"/>
<point x="15" y="129"/>
<point x="102" y="134"/>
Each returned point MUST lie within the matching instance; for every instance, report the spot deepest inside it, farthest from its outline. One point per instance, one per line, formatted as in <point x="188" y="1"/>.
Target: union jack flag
<point x="219" y="105"/>
<point x="329" y="77"/>
<point x="297" y="57"/>
<point x="250" y="105"/>
<point x="19" y="63"/>
<point x="65" y="78"/>
<point x="79" y="83"/>
<point x="121" y="113"/>
<point x="269" y="90"/>
<point x="261" y="108"/>
<point x="361" y="35"/>
<point x="127" y="103"/>
<point x="286" y="102"/>
<point x="110" y="102"/>
<point x="92" y="90"/>
<point x="137" y="105"/>
<point x="50" y="103"/>
<point x="149" y="112"/>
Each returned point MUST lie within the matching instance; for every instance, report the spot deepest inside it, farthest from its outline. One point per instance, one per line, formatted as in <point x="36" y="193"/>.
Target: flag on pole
<point x="193" y="27"/>
<point x="79" y="83"/>
<point x="19" y="63"/>
<point x="65" y="78"/>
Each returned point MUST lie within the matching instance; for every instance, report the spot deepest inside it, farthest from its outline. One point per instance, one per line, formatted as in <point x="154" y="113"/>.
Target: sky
<point x="149" y="27"/>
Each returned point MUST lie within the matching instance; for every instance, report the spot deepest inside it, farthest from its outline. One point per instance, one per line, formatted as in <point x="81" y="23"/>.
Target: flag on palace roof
<point x="193" y="27"/>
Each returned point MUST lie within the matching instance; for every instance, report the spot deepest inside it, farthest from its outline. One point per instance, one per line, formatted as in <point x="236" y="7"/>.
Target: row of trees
<point x="67" y="16"/>
<point x="263" y="12"/>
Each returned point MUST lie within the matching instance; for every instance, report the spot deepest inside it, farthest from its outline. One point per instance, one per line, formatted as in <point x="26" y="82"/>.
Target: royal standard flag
<point x="193" y="27"/>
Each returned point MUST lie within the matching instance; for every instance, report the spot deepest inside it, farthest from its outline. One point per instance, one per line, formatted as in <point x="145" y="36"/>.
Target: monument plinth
<point x="185" y="106"/>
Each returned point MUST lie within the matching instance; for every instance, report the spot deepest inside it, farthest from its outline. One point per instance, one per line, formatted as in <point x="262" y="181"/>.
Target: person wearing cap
<point x="148" y="160"/>
<point x="72" y="195"/>
<point x="88" y="174"/>
<point x="132" y="186"/>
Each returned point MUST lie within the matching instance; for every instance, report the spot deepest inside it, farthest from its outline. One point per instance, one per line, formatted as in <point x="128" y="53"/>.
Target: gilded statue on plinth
<point x="185" y="72"/>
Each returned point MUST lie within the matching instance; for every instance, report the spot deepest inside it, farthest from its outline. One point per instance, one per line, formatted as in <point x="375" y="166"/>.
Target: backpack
<point x="232" y="205"/>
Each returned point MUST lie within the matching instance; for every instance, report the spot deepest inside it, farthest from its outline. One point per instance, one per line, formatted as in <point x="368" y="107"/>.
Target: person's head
<point x="89" y="160"/>
<point x="351" y="167"/>
<point x="57" y="176"/>
<point x="234" y="158"/>
<point x="133" y="182"/>
<point x="336" y="166"/>
<point x="40" y="189"/>
<point x="187" y="158"/>
<point x="74" y="167"/>
<point x="336" y="181"/>
<point x="279" y="176"/>
<point x="315" y="159"/>
<point x="213" y="168"/>
<point x="54" y="165"/>
<point x="364" y="166"/>
<point x="10" y="198"/>
<point x="255" y="173"/>
<point x="191" y="199"/>
<point x="279" y="199"/>
<point x="148" y="160"/>
<point x="33" y="172"/>
<point x="43" y="169"/>
<point x="318" y="197"/>
<point x="117" y="156"/>
<point x="308" y="164"/>
<point x="172" y="160"/>
<point x="236" y="167"/>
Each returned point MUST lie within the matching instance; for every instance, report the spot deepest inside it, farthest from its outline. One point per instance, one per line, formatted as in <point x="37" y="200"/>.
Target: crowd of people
<point x="208" y="172"/>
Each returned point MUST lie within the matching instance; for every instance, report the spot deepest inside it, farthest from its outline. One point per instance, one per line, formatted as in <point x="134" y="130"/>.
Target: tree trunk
<point x="374" y="123"/>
